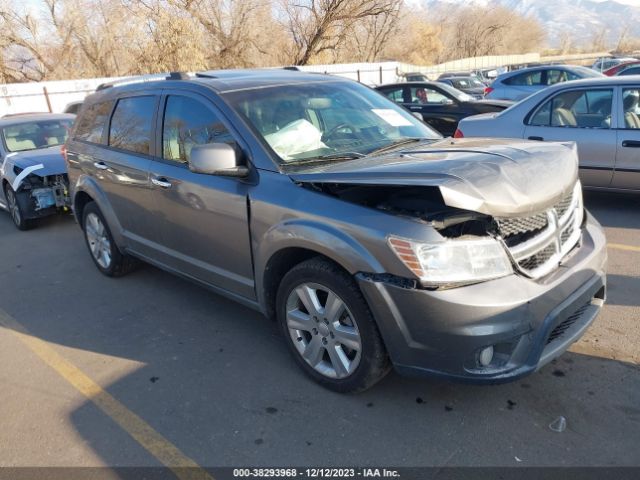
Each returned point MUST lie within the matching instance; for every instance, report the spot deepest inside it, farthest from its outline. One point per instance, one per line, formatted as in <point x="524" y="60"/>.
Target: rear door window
<point x="91" y="125"/>
<point x="576" y="108"/>
<point x="131" y="124"/>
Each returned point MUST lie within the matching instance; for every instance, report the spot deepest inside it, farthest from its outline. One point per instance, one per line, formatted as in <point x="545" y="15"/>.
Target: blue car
<point x="519" y="84"/>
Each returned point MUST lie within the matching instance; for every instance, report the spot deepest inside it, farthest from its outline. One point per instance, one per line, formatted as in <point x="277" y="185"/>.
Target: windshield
<point x="33" y="135"/>
<point x="326" y="120"/>
<point x="469" y="82"/>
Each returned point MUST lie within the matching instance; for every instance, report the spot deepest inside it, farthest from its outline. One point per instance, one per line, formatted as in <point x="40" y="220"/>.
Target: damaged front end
<point x="493" y="220"/>
<point x="476" y="246"/>
<point x="41" y="196"/>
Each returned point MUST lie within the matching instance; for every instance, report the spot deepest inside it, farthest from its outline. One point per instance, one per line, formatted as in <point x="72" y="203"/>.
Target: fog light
<point x="486" y="355"/>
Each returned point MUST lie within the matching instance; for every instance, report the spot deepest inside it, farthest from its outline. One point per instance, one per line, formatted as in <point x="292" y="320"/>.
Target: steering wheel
<point x="335" y="130"/>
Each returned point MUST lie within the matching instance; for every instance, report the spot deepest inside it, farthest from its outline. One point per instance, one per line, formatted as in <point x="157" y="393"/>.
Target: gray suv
<point x="370" y="239"/>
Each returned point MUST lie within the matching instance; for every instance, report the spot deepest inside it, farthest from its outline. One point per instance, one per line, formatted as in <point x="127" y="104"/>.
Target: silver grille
<point x="539" y="242"/>
<point x="516" y="226"/>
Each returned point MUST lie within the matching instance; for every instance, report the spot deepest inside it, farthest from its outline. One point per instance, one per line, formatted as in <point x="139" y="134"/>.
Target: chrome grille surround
<point x="546" y="242"/>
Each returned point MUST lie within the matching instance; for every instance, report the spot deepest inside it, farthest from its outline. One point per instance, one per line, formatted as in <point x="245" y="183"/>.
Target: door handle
<point x="101" y="165"/>
<point x="539" y="139"/>
<point x="631" y="143"/>
<point x="161" y="182"/>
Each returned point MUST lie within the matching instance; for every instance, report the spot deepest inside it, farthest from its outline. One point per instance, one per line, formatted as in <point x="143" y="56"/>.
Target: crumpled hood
<point x="492" y="176"/>
<point x="51" y="158"/>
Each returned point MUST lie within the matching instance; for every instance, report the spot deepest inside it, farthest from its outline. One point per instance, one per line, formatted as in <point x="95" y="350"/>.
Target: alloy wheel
<point x="323" y="330"/>
<point x="98" y="240"/>
<point x="14" y="208"/>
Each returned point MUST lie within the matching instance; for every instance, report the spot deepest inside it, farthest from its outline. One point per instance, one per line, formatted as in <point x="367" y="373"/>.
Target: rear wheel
<point x="104" y="252"/>
<point x="15" y="209"/>
<point x="329" y="328"/>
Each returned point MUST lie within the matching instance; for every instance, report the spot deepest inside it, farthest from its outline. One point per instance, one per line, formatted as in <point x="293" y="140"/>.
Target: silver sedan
<point x="602" y="115"/>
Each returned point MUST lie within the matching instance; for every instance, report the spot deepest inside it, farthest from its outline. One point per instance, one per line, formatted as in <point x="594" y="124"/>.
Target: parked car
<point x="520" y="84"/>
<point x="454" y="74"/>
<point x="415" y="77"/>
<point x="633" y="69"/>
<point x="371" y="241"/>
<point x="621" y="66"/>
<point x="606" y="63"/>
<point x="600" y="114"/>
<point x="32" y="171"/>
<point x="469" y="85"/>
<point x="440" y="105"/>
<point x="73" y="107"/>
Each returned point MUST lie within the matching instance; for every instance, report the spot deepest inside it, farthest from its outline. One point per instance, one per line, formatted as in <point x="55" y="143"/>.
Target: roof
<point x="600" y="81"/>
<point x="410" y="84"/>
<point x="225" y="80"/>
<point x="34" y="117"/>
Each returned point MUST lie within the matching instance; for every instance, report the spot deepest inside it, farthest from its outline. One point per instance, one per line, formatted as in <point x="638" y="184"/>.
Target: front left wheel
<point x="329" y="328"/>
<point x="15" y="209"/>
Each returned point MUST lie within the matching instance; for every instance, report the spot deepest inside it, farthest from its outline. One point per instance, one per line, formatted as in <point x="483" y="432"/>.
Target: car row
<point x="602" y="115"/>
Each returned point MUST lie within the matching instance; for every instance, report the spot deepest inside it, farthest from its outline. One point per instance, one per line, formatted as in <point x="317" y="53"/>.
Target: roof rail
<point x="144" y="78"/>
<point x="204" y="75"/>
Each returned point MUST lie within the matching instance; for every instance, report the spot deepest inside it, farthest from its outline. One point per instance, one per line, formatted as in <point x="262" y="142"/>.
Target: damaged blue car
<point x="33" y="174"/>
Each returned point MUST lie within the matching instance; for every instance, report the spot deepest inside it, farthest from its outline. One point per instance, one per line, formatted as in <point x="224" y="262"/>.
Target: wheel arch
<point x="289" y="244"/>
<point x="88" y="190"/>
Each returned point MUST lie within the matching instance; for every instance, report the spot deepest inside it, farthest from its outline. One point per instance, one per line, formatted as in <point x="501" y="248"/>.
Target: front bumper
<point x="528" y="323"/>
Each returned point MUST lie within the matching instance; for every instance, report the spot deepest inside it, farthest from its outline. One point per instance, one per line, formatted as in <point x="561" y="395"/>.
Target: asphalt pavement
<point x="128" y="372"/>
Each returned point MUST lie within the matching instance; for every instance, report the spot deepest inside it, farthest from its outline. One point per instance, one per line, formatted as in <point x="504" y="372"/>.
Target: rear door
<point x="113" y="144"/>
<point x="204" y="218"/>
<point x="627" y="168"/>
<point x="583" y="116"/>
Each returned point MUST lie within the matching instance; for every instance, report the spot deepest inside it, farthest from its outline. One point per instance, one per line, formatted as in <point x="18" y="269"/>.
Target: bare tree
<point x="318" y="26"/>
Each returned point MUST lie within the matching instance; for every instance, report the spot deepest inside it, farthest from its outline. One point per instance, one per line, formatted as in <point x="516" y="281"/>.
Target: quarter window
<point x="91" y="125"/>
<point x="576" y="108"/>
<point x="131" y="124"/>
<point x="187" y="123"/>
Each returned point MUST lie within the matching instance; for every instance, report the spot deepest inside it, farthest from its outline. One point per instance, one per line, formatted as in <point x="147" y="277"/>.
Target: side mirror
<point x="216" y="159"/>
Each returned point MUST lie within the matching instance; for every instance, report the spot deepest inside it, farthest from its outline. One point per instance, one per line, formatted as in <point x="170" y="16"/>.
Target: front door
<point x="437" y="109"/>
<point x="204" y="218"/>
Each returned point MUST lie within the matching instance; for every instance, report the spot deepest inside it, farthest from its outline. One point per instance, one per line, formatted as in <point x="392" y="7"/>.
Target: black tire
<point x="374" y="362"/>
<point x="119" y="264"/>
<point x="16" y="209"/>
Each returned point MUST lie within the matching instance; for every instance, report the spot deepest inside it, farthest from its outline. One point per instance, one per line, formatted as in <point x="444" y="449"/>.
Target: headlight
<point x="453" y="261"/>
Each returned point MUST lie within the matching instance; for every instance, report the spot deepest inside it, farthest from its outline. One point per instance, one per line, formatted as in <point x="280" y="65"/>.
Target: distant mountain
<point x="582" y="19"/>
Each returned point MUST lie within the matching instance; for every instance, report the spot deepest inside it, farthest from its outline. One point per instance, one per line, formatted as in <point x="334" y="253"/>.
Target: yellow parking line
<point x="167" y="453"/>
<point x="619" y="246"/>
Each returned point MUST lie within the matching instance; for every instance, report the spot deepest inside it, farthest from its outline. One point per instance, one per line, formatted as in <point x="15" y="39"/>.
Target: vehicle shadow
<point x="618" y="210"/>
